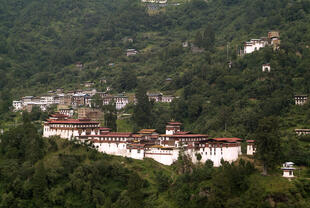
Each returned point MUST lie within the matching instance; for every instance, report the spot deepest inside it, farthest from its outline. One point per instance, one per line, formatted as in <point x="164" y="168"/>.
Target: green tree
<point x="39" y="182"/>
<point x="268" y="143"/>
<point x="110" y="116"/>
<point x="142" y="110"/>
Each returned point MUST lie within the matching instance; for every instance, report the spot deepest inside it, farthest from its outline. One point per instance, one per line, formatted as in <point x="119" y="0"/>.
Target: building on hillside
<point x="65" y="99"/>
<point x="66" y="111"/>
<point x="254" y="45"/>
<point x="59" y="90"/>
<point x="167" y="98"/>
<point x="90" y="113"/>
<point x="301" y="99"/>
<point x="114" y="143"/>
<point x="79" y="65"/>
<point x="17" y="105"/>
<point x="60" y="125"/>
<point x="131" y="52"/>
<point x="274" y="39"/>
<point x="78" y="99"/>
<point x="251" y="149"/>
<point x="288" y="170"/>
<point x="302" y="132"/>
<point x="266" y="68"/>
<point x="89" y="84"/>
<point x="50" y="99"/>
<point x="146" y="143"/>
<point x="156" y="97"/>
<point x="27" y="99"/>
<point x="90" y="92"/>
<point x="120" y="101"/>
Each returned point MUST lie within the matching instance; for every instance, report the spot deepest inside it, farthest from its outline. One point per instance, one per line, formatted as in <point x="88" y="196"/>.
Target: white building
<point x="67" y="111"/>
<point x="288" y="170"/>
<point x="146" y="143"/>
<point x="254" y="45"/>
<point x="167" y="98"/>
<point x="59" y="125"/>
<point x="49" y="99"/>
<point x="301" y="132"/>
<point x="251" y="149"/>
<point x="266" y="68"/>
<point x="131" y="52"/>
<point x="121" y="101"/>
<point x="17" y="105"/>
<point x="301" y="99"/>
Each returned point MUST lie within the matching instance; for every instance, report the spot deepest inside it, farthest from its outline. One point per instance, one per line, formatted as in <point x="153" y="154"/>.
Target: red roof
<point x="227" y="139"/>
<point x="250" y="141"/>
<point x="185" y="135"/>
<point x="115" y="134"/>
<point x="72" y="121"/>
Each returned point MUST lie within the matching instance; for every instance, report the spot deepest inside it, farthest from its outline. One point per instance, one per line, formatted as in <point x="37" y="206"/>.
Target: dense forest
<point x="41" y="42"/>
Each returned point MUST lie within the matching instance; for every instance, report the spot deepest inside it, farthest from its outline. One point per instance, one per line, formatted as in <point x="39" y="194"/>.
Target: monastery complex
<point x="147" y="143"/>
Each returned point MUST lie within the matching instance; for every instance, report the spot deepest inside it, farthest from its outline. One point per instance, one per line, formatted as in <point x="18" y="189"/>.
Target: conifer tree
<point x="267" y="141"/>
<point x="143" y="108"/>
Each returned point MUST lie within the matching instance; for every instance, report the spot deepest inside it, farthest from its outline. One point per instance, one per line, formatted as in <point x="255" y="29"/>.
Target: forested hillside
<point x="42" y="40"/>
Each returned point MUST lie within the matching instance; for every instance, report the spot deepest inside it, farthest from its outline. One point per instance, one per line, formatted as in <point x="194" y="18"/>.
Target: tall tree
<point x="267" y="141"/>
<point x="110" y="116"/>
<point x="143" y="109"/>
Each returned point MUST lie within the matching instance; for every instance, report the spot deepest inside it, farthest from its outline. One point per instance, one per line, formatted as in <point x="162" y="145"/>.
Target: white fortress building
<point x="147" y="143"/>
<point x="60" y="125"/>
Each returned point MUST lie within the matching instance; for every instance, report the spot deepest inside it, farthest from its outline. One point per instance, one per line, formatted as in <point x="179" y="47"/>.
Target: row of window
<point x="113" y="139"/>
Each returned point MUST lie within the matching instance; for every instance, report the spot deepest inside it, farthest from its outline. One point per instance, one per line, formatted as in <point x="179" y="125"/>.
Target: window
<point x="138" y="150"/>
<point x="291" y="172"/>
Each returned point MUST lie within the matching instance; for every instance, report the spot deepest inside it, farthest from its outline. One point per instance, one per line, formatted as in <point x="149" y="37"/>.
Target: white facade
<point x="288" y="170"/>
<point x="251" y="149"/>
<point x="167" y="99"/>
<point x="17" y="105"/>
<point x="165" y="156"/>
<point x="301" y="132"/>
<point x="301" y="99"/>
<point x="120" y="102"/>
<point x="254" y="45"/>
<point x="266" y="68"/>
<point x="49" y="100"/>
<point x="68" y="129"/>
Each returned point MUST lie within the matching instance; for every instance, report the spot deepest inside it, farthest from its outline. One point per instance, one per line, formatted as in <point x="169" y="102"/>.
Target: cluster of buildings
<point x="273" y="40"/>
<point x="72" y="98"/>
<point x="159" y="97"/>
<point x="147" y="143"/>
<point x="80" y="98"/>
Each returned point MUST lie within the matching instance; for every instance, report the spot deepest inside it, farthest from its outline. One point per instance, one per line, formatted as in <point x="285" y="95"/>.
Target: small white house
<point x="250" y="150"/>
<point x="18" y="105"/>
<point x="266" y="68"/>
<point x="288" y="170"/>
<point x="301" y="99"/>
